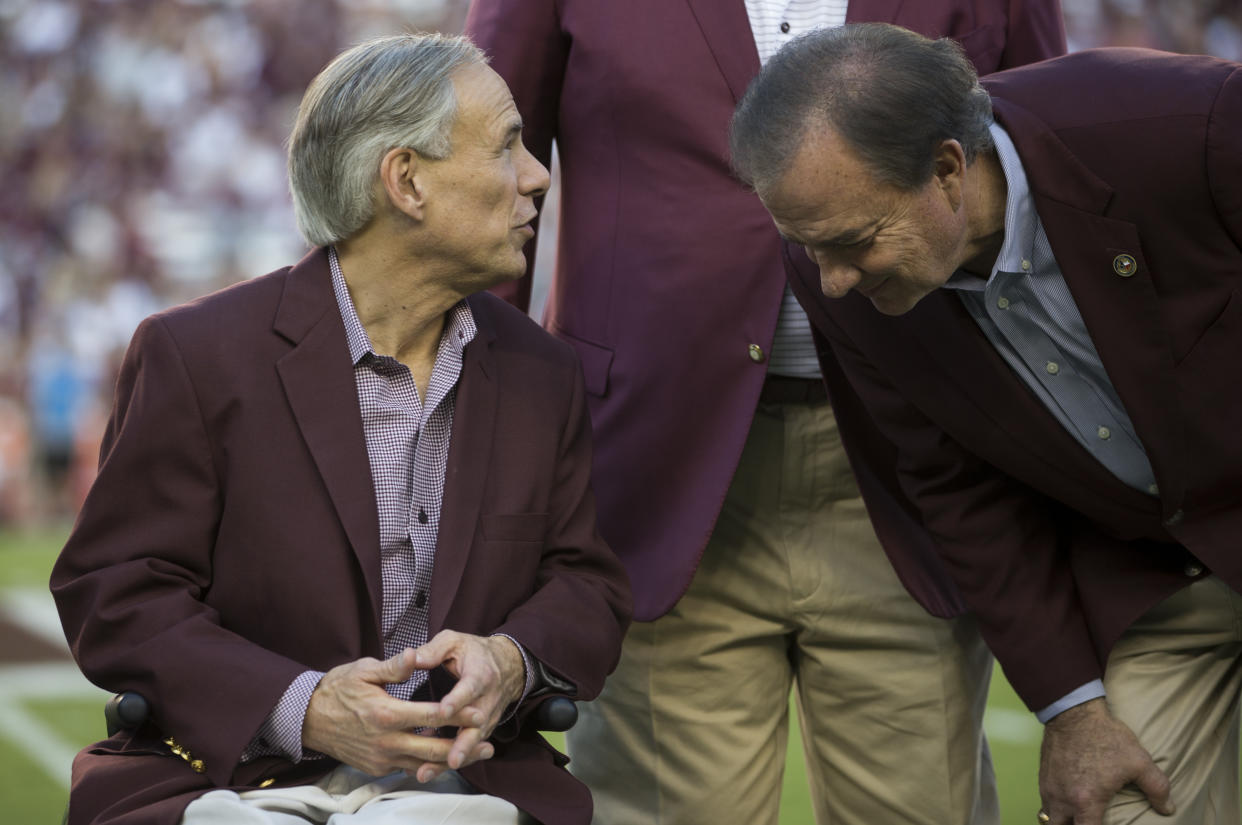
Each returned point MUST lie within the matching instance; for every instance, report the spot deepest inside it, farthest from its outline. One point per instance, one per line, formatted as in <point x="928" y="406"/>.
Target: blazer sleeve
<point x="1036" y="31"/>
<point x="129" y="583"/>
<point x="524" y="40"/>
<point x="1224" y="154"/>
<point x="1006" y="545"/>
<point x="575" y="620"/>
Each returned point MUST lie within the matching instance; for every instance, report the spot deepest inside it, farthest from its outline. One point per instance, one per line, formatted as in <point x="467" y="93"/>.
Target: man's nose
<point x="534" y="177"/>
<point x="836" y="277"/>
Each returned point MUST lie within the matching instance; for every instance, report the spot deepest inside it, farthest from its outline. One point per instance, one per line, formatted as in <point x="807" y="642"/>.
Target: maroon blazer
<point x="1127" y="151"/>
<point x="231" y="540"/>
<point x="668" y="269"/>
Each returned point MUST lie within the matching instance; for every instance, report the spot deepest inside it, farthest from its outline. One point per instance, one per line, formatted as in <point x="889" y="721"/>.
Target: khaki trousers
<point x="347" y="796"/>
<point x="793" y="591"/>
<point x="1175" y="678"/>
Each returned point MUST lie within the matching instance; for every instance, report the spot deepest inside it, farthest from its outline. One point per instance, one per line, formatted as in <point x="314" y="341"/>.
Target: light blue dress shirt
<point x="1027" y="312"/>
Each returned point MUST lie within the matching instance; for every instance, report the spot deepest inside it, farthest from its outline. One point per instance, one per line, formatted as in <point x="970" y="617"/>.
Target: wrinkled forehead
<point x="824" y="170"/>
<point x="481" y="92"/>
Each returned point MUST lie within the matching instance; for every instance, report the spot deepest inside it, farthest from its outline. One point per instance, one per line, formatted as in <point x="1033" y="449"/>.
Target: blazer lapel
<point x="726" y="28"/>
<point x="946" y="332"/>
<point x="1102" y="261"/>
<point x="465" y="477"/>
<point x="318" y="379"/>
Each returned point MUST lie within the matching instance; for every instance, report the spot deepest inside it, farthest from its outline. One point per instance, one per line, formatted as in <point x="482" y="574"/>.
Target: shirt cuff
<point x="281" y="733"/>
<point x="1092" y="690"/>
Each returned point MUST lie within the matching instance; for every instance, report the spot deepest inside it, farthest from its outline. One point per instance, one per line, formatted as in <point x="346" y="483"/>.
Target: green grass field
<point x="33" y="794"/>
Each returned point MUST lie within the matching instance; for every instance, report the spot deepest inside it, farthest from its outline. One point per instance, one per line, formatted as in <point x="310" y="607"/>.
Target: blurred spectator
<point x="141" y="150"/>
<point x="1187" y="26"/>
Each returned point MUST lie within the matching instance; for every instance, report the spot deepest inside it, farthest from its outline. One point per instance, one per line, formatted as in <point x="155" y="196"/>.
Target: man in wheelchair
<point x="342" y="539"/>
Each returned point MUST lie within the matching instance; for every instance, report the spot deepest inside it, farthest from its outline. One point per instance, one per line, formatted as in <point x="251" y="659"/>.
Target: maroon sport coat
<point x="1128" y="152"/>
<point x="668" y="269"/>
<point x="231" y="541"/>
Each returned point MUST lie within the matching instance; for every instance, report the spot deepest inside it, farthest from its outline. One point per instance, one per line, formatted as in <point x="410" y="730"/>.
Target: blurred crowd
<point x="141" y="144"/>
<point x="141" y="148"/>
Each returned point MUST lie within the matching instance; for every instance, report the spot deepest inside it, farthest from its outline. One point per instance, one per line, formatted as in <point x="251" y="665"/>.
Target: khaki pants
<point x="1175" y="678"/>
<point x="793" y="591"/>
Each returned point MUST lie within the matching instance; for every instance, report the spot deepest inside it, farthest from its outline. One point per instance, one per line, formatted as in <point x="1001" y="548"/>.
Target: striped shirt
<point x="774" y="23"/>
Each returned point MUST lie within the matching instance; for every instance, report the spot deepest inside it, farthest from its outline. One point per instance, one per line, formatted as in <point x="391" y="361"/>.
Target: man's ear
<point x="401" y="176"/>
<point x="949" y="171"/>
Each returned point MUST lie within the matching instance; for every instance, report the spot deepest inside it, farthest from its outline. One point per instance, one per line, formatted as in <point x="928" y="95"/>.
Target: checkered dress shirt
<point x="407" y="442"/>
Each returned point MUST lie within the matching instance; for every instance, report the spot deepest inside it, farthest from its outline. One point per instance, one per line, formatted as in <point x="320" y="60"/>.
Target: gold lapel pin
<point x="1125" y="265"/>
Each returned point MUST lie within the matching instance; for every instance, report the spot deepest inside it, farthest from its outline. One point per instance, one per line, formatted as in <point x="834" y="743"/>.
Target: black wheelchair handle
<point x="125" y="711"/>
<point x="556" y="713"/>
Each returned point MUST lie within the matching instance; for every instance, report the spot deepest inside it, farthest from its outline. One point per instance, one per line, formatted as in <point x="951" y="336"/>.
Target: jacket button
<point x="266" y="783"/>
<point x="1175" y="519"/>
<point x="756" y="353"/>
<point x="1192" y="569"/>
<point x="198" y="767"/>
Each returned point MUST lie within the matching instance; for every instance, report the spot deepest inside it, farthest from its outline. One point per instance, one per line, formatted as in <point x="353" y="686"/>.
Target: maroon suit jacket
<point x="1127" y="152"/>
<point x="231" y="540"/>
<point x="668" y="269"/>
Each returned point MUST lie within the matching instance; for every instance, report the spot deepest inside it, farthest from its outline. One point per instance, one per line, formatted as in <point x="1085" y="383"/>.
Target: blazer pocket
<point x="596" y="361"/>
<point x="515" y="527"/>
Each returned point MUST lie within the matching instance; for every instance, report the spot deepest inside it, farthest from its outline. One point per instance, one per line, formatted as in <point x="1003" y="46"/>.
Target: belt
<point x="782" y="389"/>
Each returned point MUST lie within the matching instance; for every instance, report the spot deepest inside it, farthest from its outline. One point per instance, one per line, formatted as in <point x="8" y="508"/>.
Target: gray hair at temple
<point x="382" y="94"/>
<point x="893" y="95"/>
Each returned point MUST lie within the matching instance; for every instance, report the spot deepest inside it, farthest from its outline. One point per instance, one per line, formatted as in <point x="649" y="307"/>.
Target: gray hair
<point x="384" y="93"/>
<point x="893" y="96"/>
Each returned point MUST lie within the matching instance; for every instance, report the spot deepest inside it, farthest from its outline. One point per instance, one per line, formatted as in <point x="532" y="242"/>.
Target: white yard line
<point x="43" y="744"/>
<point x="34" y="610"/>
<point x="46" y="747"/>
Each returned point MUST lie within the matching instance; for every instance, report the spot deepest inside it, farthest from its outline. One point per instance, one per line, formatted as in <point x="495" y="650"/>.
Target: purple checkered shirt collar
<point x="459" y="325"/>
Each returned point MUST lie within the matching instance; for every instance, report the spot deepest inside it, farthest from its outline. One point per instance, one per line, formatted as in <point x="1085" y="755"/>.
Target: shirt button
<point x="756" y="353"/>
<point x="1175" y="519"/>
<point x="1052" y="367"/>
<point x="785" y="27"/>
<point x="1026" y="265"/>
<point x="1104" y="432"/>
<point x="1003" y="303"/>
<point x="1192" y="569"/>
